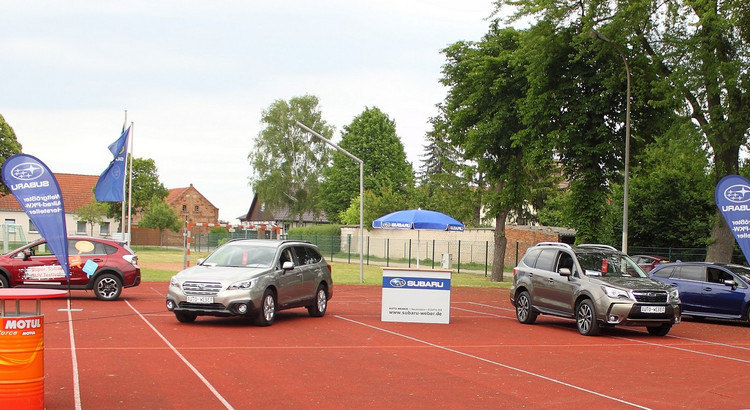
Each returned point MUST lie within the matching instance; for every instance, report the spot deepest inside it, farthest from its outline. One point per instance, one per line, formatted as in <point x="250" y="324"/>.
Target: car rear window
<point x="546" y="260"/>
<point x="696" y="273"/>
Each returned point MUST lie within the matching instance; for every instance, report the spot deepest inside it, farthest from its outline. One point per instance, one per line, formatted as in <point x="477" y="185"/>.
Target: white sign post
<point x="416" y="296"/>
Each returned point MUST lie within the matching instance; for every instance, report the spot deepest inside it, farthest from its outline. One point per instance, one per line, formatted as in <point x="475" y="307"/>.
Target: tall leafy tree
<point x="371" y="137"/>
<point x="699" y="51"/>
<point x="447" y="182"/>
<point x="9" y="146"/>
<point x="92" y="213"/>
<point x="159" y="215"/>
<point x="486" y="81"/>
<point x="286" y="161"/>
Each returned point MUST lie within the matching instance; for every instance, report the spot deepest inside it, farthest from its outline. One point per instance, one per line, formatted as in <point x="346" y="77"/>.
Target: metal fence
<point x="462" y="256"/>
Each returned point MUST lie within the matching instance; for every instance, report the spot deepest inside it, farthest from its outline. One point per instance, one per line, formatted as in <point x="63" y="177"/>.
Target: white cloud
<point x="195" y="76"/>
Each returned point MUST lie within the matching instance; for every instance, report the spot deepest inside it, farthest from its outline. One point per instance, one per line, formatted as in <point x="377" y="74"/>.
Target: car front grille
<point x="650" y="296"/>
<point x="201" y="288"/>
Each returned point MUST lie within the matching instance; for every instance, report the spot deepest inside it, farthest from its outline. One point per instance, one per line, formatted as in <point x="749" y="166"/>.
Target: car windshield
<point x="607" y="263"/>
<point x="241" y="255"/>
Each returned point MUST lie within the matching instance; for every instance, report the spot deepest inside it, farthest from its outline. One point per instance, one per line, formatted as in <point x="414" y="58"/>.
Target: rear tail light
<point x="329" y="268"/>
<point x="515" y="270"/>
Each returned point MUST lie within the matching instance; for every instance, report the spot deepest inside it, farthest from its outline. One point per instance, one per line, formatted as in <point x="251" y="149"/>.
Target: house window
<point x="104" y="228"/>
<point x="32" y="227"/>
<point x="81" y="227"/>
<point x="196" y="208"/>
<point x="184" y="208"/>
<point x="10" y="225"/>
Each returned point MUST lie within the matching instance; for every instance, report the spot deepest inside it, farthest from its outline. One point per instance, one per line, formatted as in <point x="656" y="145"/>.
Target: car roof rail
<point x="562" y="244"/>
<point x="595" y="245"/>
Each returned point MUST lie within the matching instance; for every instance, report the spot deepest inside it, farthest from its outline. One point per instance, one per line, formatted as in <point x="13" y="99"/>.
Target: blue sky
<point x="194" y="77"/>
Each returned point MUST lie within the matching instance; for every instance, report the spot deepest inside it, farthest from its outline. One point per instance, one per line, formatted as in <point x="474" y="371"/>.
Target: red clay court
<point x="132" y="353"/>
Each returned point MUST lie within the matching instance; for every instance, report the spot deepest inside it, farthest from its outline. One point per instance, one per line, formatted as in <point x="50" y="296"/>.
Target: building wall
<point x="71" y="225"/>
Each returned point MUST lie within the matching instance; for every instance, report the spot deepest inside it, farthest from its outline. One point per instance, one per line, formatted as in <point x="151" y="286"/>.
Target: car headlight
<point x="615" y="293"/>
<point x="174" y="283"/>
<point x="673" y="296"/>
<point x="243" y="284"/>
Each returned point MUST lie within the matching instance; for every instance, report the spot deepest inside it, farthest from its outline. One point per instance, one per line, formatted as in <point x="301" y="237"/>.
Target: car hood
<point x="625" y="282"/>
<point x="206" y="273"/>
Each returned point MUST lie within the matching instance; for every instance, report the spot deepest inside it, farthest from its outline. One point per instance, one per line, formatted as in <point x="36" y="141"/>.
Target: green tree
<point x="447" y="182"/>
<point x="486" y="81"/>
<point x="375" y="206"/>
<point x="286" y="161"/>
<point x="371" y="137"/>
<point x="159" y="215"/>
<point x="92" y="213"/>
<point x="146" y="186"/>
<point x="9" y="146"/>
<point x="699" y="52"/>
<point x="672" y="187"/>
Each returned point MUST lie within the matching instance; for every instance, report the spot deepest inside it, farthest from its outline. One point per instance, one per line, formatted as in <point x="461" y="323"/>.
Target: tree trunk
<point x="498" y="261"/>
<point x="722" y="241"/>
<point x="721" y="245"/>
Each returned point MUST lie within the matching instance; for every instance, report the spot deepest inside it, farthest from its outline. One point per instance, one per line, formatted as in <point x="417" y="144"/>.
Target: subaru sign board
<point x="733" y="199"/>
<point x="417" y="296"/>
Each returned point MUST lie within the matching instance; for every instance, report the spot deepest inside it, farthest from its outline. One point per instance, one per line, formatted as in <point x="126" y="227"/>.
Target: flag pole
<point x="122" y="214"/>
<point x="130" y="182"/>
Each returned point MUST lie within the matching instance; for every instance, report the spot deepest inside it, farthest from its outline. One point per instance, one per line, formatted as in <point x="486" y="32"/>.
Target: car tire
<point x="318" y="309"/>
<point x="586" y="318"/>
<point x="659" y="330"/>
<point x="524" y="312"/>
<point x="267" y="313"/>
<point x="4" y="282"/>
<point x="185" y="317"/>
<point x="107" y="287"/>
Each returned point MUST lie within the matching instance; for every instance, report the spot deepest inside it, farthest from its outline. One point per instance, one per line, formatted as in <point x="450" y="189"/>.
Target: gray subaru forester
<point x="594" y="284"/>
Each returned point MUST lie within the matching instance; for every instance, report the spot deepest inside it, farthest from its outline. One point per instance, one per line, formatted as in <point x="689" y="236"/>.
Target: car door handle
<point x="707" y="289"/>
<point x="531" y="275"/>
<point x="550" y="280"/>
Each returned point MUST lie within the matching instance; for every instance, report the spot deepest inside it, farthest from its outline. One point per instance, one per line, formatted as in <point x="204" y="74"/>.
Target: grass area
<point x="343" y="273"/>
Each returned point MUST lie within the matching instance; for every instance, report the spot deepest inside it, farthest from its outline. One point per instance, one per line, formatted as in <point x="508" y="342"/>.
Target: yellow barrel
<point x="22" y="362"/>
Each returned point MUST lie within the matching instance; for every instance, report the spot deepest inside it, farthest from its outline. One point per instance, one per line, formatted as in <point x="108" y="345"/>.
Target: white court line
<point x="184" y="360"/>
<point x="646" y="342"/>
<point x="74" y="357"/>
<point x="682" y="349"/>
<point x="515" y="369"/>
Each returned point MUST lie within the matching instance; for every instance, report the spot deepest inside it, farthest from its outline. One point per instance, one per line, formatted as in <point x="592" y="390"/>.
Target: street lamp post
<point x="361" y="194"/>
<point x="600" y="36"/>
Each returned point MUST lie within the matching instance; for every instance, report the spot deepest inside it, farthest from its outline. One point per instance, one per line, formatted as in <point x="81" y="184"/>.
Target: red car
<point x="104" y="265"/>
<point x="648" y="262"/>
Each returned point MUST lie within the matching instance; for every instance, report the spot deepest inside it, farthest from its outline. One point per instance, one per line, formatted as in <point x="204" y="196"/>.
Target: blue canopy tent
<point x="418" y="219"/>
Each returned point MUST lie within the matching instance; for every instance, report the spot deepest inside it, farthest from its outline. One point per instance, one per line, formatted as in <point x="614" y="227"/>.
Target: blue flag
<point x="111" y="184"/>
<point x="37" y="190"/>
<point x="733" y="199"/>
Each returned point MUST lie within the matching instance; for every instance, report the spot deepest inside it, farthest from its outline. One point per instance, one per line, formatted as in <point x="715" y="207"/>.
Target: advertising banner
<point x="416" y="296"/>
<point x="733" y="199"/>
<point x="37" y="190"/>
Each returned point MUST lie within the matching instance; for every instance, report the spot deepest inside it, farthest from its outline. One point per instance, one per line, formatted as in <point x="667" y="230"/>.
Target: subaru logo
<point x="28" y="171"/>
<point x="737" y="193"/>
<point x="398" y="282"/>
<point x="651" y="294"/>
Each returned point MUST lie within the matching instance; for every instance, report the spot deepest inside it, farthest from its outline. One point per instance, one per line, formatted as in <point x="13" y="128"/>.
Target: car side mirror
<point x="288" y="265"/>
<point x="564" y="272"/>
<point x="731" y="283"/>
<point x="200" y="261"/>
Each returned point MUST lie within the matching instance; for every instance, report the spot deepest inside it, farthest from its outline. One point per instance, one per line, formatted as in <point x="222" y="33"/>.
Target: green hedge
<point x="316" y="230"/>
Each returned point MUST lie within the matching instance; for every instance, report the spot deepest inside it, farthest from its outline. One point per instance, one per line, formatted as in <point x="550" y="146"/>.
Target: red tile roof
<point x="77" y="190"/>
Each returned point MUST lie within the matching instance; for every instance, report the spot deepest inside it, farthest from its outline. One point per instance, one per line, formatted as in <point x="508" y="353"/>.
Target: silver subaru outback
<point x="594" y="284"/>
<point x="253" y="278"/>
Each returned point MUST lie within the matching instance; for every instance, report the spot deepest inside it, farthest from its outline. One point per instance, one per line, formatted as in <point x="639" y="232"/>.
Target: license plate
<point x="653" y="309"/>
<point x="200" y="299"/>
